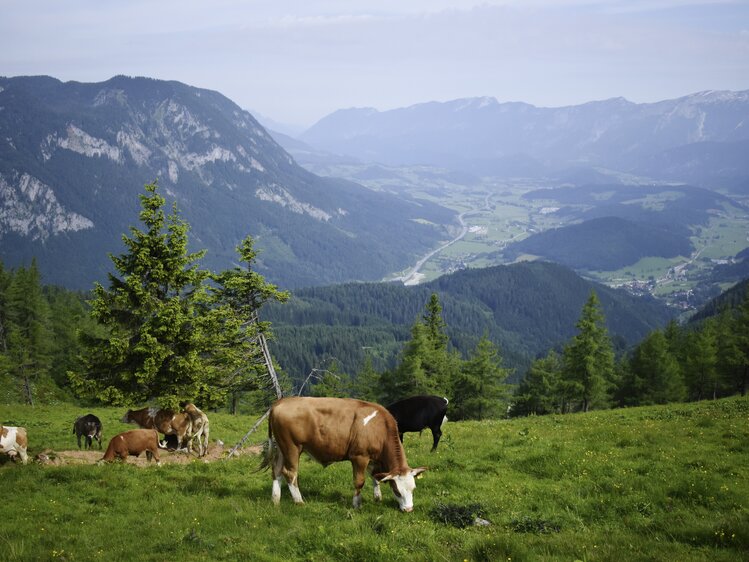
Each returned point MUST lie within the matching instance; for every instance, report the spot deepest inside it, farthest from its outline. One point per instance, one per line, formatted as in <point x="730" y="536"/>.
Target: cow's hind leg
<point x="436" y="434"/>
<point x="290" y="471"/>
<point x="277" y="468"/>
<point x="359" y="464"/>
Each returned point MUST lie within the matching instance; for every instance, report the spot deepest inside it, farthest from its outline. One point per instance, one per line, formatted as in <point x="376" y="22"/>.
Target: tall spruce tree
<point x="589" y="358"/>
<point x="738" y="377"/>
<point x="237" y="296"/>
<point x="478" y="389"/>
<point x="701" y="362"/>
<point x="157" y="343"/>
<point x="28" y="330"/>
<point x="538" y="392"/>
<point x="655" y="373"/>
<point x="426" y="365"/>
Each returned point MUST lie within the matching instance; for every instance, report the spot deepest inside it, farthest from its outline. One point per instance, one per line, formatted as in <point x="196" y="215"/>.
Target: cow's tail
<point x="270" y="451"/>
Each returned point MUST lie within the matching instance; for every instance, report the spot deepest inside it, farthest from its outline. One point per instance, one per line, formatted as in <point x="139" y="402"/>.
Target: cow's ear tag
<point x="420" y="475"/>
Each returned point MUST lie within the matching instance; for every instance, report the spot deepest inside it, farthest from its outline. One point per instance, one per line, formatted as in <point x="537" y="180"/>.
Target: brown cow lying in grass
<point x="13" y="441"/>
<point x="164" y="421"/>
<point x="133" y="443"/>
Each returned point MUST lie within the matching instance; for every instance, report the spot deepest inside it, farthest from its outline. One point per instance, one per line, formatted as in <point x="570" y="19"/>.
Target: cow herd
<point x="330" y="430"/>
<point x="191" y="427"/>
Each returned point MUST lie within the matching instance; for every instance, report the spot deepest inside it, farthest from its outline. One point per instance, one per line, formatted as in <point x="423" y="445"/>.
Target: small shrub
<point x="457" y="515"/>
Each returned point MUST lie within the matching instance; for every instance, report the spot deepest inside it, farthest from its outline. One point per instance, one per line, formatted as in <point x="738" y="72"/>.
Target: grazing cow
<point x="417" y="412"/>
<point x="164" y="421"/>
<point x="200" y="428"/>
<point x="338" y="429"/>
<point x="14" y="441"/>
<point x="133" y="443"/>
<point x="88" y="427"/>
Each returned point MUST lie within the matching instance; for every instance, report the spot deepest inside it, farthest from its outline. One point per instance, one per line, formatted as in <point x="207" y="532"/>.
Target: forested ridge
<point x="525" y="309"/>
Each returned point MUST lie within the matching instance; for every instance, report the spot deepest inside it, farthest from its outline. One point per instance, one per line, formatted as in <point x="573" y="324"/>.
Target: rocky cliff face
<point x="74" y="156"/>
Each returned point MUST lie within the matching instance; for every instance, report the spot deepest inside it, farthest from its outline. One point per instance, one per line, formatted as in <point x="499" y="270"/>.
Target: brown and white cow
<point x="14" y="441"/>
<point x="133" y="443"/>
<point x="200" y="428"/>
<point x="163" y="421"/>
<point x="338" y="429"/>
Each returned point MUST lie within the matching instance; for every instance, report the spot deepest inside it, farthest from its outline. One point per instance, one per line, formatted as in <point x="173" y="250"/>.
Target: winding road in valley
<point x="412" y="276"/>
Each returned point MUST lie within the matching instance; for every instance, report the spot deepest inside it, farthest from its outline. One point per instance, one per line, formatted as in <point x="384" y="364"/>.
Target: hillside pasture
<point x="655" y="483"/>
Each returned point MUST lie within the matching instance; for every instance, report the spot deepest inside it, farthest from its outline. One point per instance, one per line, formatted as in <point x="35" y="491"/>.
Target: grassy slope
<point x="658" y="483"/>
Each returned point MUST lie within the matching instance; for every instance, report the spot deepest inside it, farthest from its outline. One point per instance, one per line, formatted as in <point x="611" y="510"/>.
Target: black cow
<point x="417" y="412"/>
<point x="88" y="426"/>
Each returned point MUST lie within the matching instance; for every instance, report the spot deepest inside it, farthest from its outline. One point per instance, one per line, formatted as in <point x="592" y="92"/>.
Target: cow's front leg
<point x="359" y="464"/>
<point x="377" y="491"/>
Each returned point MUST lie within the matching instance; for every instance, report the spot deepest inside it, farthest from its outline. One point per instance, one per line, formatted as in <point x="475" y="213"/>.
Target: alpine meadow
<point x="375" y="281"/>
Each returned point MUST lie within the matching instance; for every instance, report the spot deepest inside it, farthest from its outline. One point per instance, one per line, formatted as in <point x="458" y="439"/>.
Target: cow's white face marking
<point x="152" y="412"/>
<point x="369" y="417"/>
<point x="403" y="486"/>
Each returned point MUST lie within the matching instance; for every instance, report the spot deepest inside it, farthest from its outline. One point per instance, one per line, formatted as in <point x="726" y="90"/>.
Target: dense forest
<point x="525" y="309"/>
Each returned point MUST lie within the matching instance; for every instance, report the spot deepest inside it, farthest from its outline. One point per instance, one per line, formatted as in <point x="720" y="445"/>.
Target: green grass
<point x="656" y="483"/>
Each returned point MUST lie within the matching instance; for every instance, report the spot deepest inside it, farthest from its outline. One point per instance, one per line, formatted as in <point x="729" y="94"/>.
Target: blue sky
<point x="297" y="61"/>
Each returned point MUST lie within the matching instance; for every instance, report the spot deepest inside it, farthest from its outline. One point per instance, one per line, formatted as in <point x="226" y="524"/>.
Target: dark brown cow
<point x="13" y="441"/>
<point x="163" y="421"/>
<point x="133" y="443"/>
<point x="338" y="429"/>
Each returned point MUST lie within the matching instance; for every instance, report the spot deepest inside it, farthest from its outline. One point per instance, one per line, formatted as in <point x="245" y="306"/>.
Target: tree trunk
<point x="27" y="391"/>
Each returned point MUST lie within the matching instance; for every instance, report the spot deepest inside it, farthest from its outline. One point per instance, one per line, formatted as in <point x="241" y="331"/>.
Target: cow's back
<point x="331" y="429"/>
<point x="417" y="412"/>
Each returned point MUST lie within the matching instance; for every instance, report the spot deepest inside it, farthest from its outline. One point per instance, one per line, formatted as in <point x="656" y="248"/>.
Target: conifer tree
<point x="236" y="298"/>
<point x="332" y="383"/>
<point x="478" y="390"/>
<point x="368" y="384"/>
<point x="739" y="375"/>
<point x="656" y="374"/>
<point x="538" y="392"/>
<point x="157" y="340"/>
<point x="700" y="368"/>
<point x="29" y="335"/>
<point x="589" y="358"/>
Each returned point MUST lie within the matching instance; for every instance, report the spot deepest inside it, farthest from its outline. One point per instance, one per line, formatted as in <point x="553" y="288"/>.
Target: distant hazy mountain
<point x="74" y="157"/>
<point x="485" y="136"/>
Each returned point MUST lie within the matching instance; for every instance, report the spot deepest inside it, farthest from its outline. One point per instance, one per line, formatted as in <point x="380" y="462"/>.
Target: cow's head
<point x="403" y="485"/>
<point x="127" y="418"/>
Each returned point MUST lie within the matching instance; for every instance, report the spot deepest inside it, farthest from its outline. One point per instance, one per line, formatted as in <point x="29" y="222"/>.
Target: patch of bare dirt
<point x="83" y="456"/>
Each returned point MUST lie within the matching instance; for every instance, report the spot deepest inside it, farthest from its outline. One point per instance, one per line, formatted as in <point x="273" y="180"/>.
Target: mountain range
<point x="74" y="157"/>
<point x="699" y="138"/>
